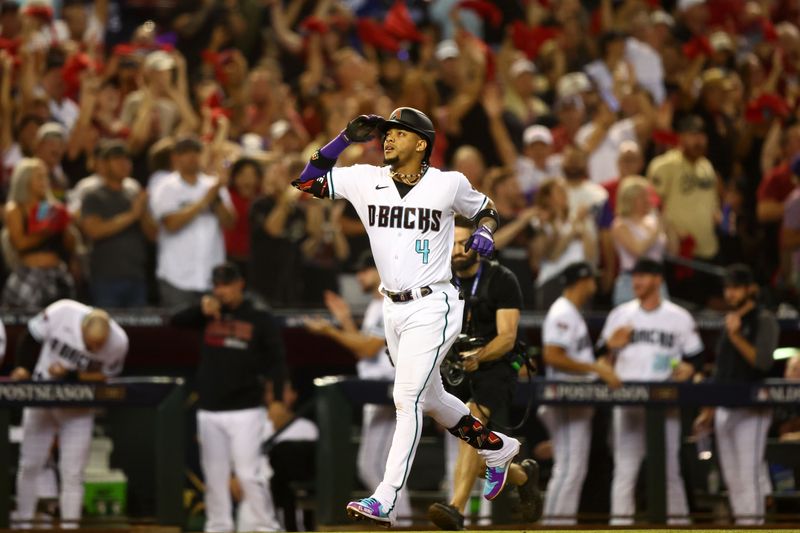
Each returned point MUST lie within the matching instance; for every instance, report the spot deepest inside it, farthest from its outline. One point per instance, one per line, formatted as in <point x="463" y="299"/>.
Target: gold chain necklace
<point x="408" y="179"/>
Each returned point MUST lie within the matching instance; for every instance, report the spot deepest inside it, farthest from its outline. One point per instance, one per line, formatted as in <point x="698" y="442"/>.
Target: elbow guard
<point x="317" y="187"/>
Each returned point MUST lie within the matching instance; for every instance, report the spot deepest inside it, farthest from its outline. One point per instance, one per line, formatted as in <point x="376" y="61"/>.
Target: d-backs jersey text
<point x="411" y="237"/>
<point x="660" y="339"/>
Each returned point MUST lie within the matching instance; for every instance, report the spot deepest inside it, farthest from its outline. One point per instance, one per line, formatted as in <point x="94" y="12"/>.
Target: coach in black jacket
<point x="241" y="351"/>
<point x="744" y="355"/>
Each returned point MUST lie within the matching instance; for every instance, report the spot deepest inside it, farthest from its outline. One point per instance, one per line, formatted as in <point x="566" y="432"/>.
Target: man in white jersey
<point x="408" y="208"/>
<point x="649" y="339"/>
<point x="369" y="346"/>
<point x="568" y="356"/>
<point x="72" y="342"/>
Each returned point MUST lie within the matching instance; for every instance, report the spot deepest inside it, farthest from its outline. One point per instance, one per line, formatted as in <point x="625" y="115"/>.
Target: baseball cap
<point x="537" y="133"/>
<point x="364" y="261"/>
<point x="646" y="265"/>
<point x="575" y="272"/>
<point x="738" y="275"/>
<point x="446" y="49"/>
<point x="159" y="60"/>
<point x="691" y="124"/>
<point x="720" y="40"/>
<point x="225" y="273"/>
<point x="521" y="66"/>
<point x="662" y="17"/>
<point x="110" y="149"/>
<point x="572" y="84"/>
<point x="51" y="129"/>
<point x="279" y="128"/>
<point x="188" y="144"/>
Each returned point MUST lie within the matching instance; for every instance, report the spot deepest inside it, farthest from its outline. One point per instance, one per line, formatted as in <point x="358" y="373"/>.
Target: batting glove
<point x="482" y="241"/>
<point x="362" y="128"/>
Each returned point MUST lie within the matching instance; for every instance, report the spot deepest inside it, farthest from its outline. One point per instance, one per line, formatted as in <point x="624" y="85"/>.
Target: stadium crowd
<point x="144" y="141"/>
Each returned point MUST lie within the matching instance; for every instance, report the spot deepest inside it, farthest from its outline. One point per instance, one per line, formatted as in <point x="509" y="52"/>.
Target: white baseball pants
<point x="40" y="427"/>
<point x="233" y="439"/>
<point x="570" y="431"/>
<point x="629" y="451"/>
<point x="741" y="436"/>
<point x="419" y="333"/>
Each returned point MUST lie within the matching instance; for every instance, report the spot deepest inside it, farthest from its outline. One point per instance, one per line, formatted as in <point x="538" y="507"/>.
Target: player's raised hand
<point x="482" y="241"/>
<point x="211" y="307"/>
<point x="362" y="128"/>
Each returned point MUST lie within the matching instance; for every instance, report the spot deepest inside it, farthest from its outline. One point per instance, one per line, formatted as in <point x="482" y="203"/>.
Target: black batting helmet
<point x="408" y="118"/>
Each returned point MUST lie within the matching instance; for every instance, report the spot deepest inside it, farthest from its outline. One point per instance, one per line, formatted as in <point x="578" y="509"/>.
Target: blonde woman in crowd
<point x="637" y="231"/>
<point x="36" y="240"/>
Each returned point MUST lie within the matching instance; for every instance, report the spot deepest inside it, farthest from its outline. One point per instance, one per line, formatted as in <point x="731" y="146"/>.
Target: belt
<point x="407" y="296"/>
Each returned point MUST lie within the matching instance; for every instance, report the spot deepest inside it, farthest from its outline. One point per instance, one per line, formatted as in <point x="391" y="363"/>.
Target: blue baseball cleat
<point x="368" y="509"/>
<point x="497" y="468"/>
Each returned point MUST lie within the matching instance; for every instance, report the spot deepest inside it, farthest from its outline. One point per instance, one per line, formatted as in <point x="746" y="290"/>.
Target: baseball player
<point x="649" y="339"/>
<point x="66" y="341"/>
<point x="241" y="351"/>
<point x="369" y="346"/>
<point x="408" y="208"/>
<point x="744" y="355"/>
<point x="569" y="356"/>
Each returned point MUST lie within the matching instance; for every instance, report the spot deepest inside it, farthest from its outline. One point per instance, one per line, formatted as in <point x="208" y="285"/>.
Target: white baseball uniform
<point x="570" y="427"/>
<point x="378" y="421"/>
<point x="661" y="338"/>
<point x="59" y="329"/>
<point x="411" y="237"/>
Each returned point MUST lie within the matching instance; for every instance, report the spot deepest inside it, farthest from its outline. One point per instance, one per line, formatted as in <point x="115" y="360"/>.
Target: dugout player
<point x="744" y="355"/>
<point x="569" y="356"/>
<point x="648" y="339"/>
<point x="407" y="208"/>
<point x="369" y="346"/>
<point x="67" y="341"/>
<point x="492" y="303"/>
<point x="242" y="348"/>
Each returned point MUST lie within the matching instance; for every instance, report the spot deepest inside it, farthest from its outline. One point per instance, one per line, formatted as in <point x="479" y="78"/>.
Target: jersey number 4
<point x="422" y="248"/>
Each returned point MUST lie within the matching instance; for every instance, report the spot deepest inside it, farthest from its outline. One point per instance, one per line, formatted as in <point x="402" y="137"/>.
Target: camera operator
<point x="489" y="356"/>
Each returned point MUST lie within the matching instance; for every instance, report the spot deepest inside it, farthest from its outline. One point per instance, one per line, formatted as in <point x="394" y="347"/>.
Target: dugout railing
<point x="336" y="398"/>
<point x="149" y="411"/>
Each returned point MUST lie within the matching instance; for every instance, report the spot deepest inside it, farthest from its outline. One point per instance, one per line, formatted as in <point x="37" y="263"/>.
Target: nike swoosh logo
<point x="378" y="187"/>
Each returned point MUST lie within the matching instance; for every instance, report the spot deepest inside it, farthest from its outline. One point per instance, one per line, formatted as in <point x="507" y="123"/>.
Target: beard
<point x="464" y="263"/>
<point x="391" y="161"/>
